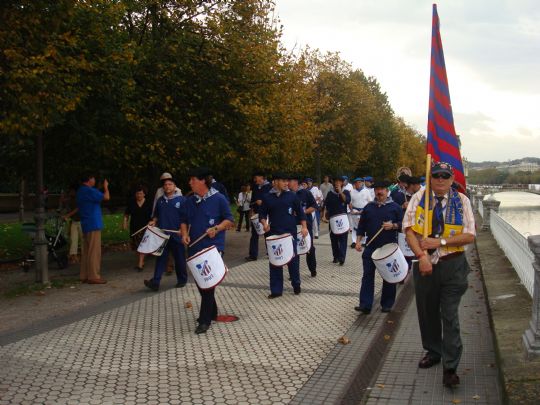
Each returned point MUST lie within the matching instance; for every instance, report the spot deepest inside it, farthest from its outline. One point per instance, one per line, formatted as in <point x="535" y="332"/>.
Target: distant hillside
<point x="487" y="164"/>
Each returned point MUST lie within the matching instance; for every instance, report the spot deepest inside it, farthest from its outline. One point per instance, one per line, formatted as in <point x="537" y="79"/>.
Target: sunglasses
<point x="445" y="176"/>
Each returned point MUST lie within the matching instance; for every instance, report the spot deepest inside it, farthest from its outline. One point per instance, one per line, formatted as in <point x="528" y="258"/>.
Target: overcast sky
<point x="491" y="49"/>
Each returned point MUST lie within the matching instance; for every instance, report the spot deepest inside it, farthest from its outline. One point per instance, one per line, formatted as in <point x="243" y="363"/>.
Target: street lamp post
<point x="40" y="241"/>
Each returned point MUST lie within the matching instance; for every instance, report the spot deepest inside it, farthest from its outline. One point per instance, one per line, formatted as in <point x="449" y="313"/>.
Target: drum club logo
<point x="278" y="251"/>
<point x="339" y="223"/>
<point x="393" y="267"/>
<point x="205" y="270"/>
<point x="302" y="242"/>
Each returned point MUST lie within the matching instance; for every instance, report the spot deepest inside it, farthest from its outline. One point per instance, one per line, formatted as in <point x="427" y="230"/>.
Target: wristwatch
<point x="443" y="242"/>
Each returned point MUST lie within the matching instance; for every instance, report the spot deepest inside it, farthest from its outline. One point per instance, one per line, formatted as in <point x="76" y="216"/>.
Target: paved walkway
<point x="280" y="351"/>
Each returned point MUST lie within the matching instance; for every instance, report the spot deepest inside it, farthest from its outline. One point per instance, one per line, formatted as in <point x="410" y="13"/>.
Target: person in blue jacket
<point x="309" y="205"/>
<point x="283" y="209"/>
<point x="336" y="202"/>
<point x="260" y="187"/>
<point x="382" y="212"/>
<point x="206" y="211"/>
<point x="167" y="216"/>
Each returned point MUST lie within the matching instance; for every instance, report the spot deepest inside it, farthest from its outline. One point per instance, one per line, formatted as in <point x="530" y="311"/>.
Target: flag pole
<point x="427" y="195"/>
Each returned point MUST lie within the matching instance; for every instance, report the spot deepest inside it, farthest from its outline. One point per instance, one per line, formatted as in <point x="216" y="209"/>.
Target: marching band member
<point x="356" y="205"/>
<point x="385" y="213"/>
<point x="205" y="211"/>
<point x="167" y="216"/>
<point x="260" y="187"/>
<point x="283" y="209"/>
<point x="336" y="202"/>
<point x="309" y="206"/>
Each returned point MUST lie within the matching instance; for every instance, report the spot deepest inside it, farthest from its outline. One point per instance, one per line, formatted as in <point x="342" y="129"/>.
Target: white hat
<point x="166" y="176"/>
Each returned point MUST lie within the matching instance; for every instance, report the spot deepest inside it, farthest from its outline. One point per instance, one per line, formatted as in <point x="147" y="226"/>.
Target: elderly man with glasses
<point x="440" y="276"/>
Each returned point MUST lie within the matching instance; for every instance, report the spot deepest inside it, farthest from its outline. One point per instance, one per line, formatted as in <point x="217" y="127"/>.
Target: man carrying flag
<point x="438" y="223"/>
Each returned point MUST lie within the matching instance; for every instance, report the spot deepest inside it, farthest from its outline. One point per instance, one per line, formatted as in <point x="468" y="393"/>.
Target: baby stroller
<point x="54" y="233"/>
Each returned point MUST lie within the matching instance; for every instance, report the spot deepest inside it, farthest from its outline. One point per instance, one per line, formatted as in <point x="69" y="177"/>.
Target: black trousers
<point x="242" y="215"/>
<point x="209" y="310"/>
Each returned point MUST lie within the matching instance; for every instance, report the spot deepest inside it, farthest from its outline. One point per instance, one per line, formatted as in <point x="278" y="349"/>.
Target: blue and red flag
<point x="442" y="141"/>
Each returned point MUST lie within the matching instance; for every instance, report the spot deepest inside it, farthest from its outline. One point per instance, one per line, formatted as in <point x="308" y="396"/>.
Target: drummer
<point x="206" y="211"/>
<point x="284" y="210"/>
<point x="167" y="216"/>
<point x="336" y="203"/>
<point x="309" y="205"/>
<point x="380" y="213"/>
<point x="260" y="187"/>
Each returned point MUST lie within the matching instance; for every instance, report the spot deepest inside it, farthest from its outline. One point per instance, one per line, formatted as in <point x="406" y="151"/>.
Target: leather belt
<point x="450" y="256"/>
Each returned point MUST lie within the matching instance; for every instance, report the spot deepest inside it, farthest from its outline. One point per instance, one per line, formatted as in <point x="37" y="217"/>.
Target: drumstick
<point x="170" y="230"/>
<point x="143" y="228"/>
<point x="200" y="238"/>
<point x="375" y="236"/>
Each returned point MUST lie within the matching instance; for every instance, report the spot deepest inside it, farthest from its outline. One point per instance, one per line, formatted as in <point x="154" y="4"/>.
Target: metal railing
<point x="516" y="249"/>
<point x="481" y="208"/>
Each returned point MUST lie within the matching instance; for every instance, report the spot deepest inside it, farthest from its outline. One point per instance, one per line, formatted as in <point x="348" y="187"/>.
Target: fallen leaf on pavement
<point x="380" y="385"/>
<point x="386" y="337"/>
<point x="389" y="321"/>
<point x="344" y="340"/>
<point x="188" y="304"/>
<point x="476" y="397"/>
<point x="456" y="401"/>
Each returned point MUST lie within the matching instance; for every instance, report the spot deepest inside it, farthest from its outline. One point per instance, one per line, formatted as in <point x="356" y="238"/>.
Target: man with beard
<point x="385" y="213"/>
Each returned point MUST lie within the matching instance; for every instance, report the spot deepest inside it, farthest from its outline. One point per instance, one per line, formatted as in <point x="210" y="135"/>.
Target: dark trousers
<point x="276" y="275"/>
<point x="367" y="289"/>
<point x="254" y="243"/>
<point x="177" y="249"/>
<point x="242" y="215"/>
<point x="437" y="302"/>
<point x="339" y="245"/>
<point x="209" y="310"/>
<point x="311" y="260"/>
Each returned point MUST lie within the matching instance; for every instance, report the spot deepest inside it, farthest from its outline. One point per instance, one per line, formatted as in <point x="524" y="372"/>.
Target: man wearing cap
<point x="440" y="277"/>
<point x="356" y="208"/>
<point x="336" y="203"/>
<point x="159" y="192"/>
<point x="381" y="213"/>
<point x="206" y="211"/>
<point x="283" y="209"/>
<point x="260" y="187"/>
<point x="318" y="196"/>
<point x="309" y="206"/>
<point x="167" y="216"/>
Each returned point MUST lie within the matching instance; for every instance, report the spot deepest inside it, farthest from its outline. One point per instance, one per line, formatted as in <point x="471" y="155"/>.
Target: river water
<point x="521" y="210"/>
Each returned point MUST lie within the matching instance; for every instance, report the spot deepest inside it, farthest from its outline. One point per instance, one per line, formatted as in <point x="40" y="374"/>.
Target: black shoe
<point x="335" y="260"/>
<point x="353" y="245"/>
<point x="138" y="268"/>
<point x="272" y="296"/>
<point x="314" y="274"/>
<point x="341" y="262"/>
<point x="202" y="328"/>
<point x="316" y="237"/>
<point x="180" y="285"/>
<point x="151" y="285"/>
<point x="428" y="361"/>
<point x="450" y="378"/>
<point x="238" y="230"/>
<point x="386" y="310"/>
<point x="297" y="290"/>
<point x="250" y="259"/>
<point x="365" y="311"/>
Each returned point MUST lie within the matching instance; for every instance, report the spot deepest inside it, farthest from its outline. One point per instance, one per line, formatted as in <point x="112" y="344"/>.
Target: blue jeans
<point x="178" y="251"/>
<point x="276" y="275"/>
<point x="367" y="290"/>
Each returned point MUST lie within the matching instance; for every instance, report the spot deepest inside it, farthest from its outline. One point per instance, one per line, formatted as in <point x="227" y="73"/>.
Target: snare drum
<point x="339" y="224"/>
<point x="207" y="268"/>
<point x="153" y="241"/>
<point x="257" y="225"/>
<point x="280" y="249"/>
<point x="303" y="245"/>
<point x="390" y="263"/>
<point x="404" y="246"/>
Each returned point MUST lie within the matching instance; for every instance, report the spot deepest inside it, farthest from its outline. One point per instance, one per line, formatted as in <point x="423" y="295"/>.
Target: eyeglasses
<point x="445" y="176"/>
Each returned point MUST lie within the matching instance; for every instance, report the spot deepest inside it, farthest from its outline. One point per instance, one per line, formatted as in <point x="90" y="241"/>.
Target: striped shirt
<point x="468" y="218"/>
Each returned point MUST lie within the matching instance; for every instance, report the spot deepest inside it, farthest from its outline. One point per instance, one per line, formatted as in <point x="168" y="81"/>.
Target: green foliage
<point x="494" y="176"/>
<point x="131" y="88"/>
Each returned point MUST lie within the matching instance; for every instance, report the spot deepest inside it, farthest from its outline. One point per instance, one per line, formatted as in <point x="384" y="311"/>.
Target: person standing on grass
<point x="75" y="230"/>
<point x="89" y="203"/>
<point x="138" y="213"/>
